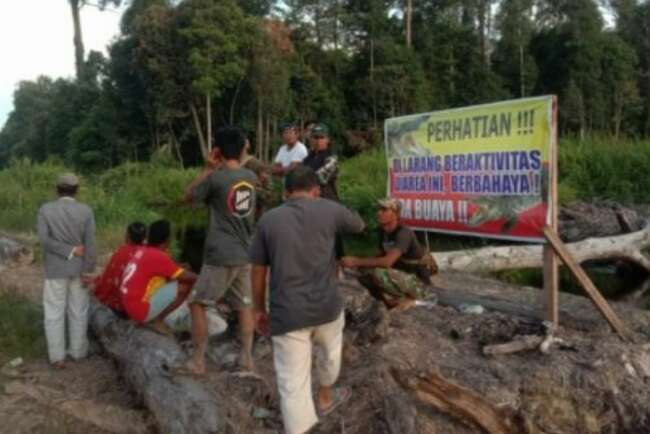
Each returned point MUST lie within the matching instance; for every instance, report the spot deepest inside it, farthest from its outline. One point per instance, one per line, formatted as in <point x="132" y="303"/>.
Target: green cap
<point x="320" y="130"/>
<point x="390" y="203"/>
<point x="67" y="180"/>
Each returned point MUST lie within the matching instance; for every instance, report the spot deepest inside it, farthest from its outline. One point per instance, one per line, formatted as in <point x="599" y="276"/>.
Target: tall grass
<point x="129" y="192"/>
<point x="600" y="168"/>
<point x="21" y="328"/>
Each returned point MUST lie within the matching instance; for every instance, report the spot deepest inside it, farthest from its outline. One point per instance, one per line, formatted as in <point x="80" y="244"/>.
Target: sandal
<point x="340" y="395"/>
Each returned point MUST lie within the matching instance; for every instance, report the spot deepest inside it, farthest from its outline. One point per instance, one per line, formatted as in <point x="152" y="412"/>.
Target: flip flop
<point x="340" y="395"/>
<point x="185" y="371"/>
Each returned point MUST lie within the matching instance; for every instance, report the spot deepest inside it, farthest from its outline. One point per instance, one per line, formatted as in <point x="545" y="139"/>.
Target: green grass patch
<point x="21" y="328"/>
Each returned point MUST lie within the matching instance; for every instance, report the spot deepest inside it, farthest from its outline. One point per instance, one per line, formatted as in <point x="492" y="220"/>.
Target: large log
<point x="179" y="404"/>
<point x="629" y="247"/>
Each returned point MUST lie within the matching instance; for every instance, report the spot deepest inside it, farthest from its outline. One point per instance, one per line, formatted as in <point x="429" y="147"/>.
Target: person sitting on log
<point x="107" y="285"/>
<point x="153" y="285"/>
<point x="402" y="271"/>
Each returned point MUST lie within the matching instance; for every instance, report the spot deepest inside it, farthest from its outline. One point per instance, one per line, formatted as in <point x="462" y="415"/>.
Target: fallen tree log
<point x="179" y="404"/>
<point x="464" y="404"/>
<point x="629" y="247"/>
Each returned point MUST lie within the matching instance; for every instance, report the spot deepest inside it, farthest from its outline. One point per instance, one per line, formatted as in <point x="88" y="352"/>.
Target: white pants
<point x="292" y="359"/>
<point x="59" y="296"/>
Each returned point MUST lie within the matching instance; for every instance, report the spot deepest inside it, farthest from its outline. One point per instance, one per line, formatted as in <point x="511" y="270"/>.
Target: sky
<point x="36" y="39"/>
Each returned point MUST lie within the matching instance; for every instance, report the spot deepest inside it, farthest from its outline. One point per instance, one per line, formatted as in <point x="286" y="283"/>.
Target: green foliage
<point x="21" y="328"/>
<point x="362" y="181"/>
<point x="601" y="168"/>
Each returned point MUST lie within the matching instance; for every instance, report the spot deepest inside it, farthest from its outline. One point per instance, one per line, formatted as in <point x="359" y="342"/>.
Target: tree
<point x="214" y="37"/>
<point x="75" y="7"/>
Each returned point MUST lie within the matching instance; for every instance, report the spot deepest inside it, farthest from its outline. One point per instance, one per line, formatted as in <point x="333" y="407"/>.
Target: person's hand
<point x="213" y="159"/>
<point x="261" y="321"/>
<point x="349" y="262"/>
<point x="78" y="251"/>
<point x="87" y="280"/>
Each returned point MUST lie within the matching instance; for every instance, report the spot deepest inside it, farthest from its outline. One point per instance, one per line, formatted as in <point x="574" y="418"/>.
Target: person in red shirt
<point x="153" y="285"/>
<point x="107" y="285"/>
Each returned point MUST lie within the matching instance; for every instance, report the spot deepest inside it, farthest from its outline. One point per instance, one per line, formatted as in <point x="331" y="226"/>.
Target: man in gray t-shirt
<point x="296" y="242"/>
<point x="229" y="193"/>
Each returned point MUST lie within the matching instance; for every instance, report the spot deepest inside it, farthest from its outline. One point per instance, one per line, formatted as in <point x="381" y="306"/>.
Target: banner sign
<point x="480" y="170"/>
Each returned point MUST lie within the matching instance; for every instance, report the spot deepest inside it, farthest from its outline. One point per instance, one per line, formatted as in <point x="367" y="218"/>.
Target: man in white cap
<point x="66" y="230"/>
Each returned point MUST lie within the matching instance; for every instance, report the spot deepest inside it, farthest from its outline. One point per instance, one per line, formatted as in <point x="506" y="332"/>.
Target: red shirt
<point x="107" y="285"/>
<point x="149" y="269"/>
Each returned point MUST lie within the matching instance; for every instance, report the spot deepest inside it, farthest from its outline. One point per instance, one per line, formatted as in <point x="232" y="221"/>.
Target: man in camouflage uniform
<point x="401" y="273"/>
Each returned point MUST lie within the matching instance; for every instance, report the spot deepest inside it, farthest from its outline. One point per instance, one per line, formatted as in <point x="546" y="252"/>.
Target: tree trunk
<point x="75" y="6"/>
<point x="208" y="115"/>
<point x="259" y="151"/>
<point x="199" y="130"/>
<point x="179" y="404"/>
<point x="488" y="259"/>
<point x="408" y="18"/>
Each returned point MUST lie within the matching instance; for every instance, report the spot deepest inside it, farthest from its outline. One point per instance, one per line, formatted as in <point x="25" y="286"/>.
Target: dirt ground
<point x="593" y="383"/>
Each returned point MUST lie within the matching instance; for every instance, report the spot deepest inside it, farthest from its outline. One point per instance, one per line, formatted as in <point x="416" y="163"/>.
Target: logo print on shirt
<point x="240" y="199"/>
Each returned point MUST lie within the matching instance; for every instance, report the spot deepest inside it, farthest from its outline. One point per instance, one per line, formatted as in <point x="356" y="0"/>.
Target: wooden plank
<point x="587" y="284"/>
<point x="551" y="263"/>
<point x="460" y="402"/>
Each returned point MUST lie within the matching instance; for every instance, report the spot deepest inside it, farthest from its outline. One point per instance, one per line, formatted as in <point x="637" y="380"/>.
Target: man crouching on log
<point x="296" y="242"/>
<point x="153" y="285"/>
<point x="402" y="271"/>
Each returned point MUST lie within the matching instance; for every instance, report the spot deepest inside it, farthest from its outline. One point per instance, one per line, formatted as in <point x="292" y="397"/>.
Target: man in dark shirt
<point x="230" y="194"/>
<point x="296" y="242"/>
<point x="402" y="271"/>
<point x="323" y="161"/>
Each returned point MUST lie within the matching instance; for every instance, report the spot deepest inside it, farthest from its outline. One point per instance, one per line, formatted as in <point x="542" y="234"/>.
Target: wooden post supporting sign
<point x="587" y="284"/>
<point x="551" y="269"/>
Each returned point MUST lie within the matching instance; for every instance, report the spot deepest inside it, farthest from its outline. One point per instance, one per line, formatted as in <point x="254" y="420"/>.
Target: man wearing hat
<point x="291" y="153"/>
<point x="323" y="161"/>
<point x="402" y="271"/>
<point x="66" y="230"/>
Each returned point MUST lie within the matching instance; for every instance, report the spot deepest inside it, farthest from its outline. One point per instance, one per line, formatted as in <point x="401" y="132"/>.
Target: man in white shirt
<point x="291" y="153"/>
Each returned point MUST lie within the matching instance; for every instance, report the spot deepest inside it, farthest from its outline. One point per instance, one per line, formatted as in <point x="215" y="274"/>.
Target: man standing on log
<point x="402" y="271"/>
<point x="230" y="194"/>
<point x="296" y="241"/>
<point x="66" y="230"/>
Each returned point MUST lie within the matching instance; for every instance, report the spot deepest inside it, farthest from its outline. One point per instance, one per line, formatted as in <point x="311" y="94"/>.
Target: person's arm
<point x="258" y="283"/>
<point x="50" y="245"/>
<point x="385" y="261"/>
<point x="348" y="221"/>
<point x="259" y="258"/>
<point x="187" y="276"/>
<point x="192" y="192"/>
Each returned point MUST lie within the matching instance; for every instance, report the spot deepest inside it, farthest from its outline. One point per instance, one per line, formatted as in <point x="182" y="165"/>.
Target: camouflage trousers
<point x="391" y="282"/>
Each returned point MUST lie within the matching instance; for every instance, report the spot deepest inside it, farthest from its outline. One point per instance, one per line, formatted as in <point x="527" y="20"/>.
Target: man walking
<point x="66" y="230"/>
<point x="296" y="242"/>
<point x="230" y="194"/>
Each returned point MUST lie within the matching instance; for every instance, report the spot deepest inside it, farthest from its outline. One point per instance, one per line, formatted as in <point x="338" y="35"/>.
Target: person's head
<point x="136" y="233"/>
<point x="302" y="181"/>
<point x="306" y="129"/>
<point x="159" y="234"/>
<point x="320" y="137"/>
<point x="389" y="211"/>
<point x="231" y="142"/>
<point x="67" y="184"/>
<point x="289" y="134"/>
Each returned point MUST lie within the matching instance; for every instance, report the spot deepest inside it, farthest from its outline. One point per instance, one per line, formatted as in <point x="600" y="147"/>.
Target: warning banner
<point x="480" y="170"/>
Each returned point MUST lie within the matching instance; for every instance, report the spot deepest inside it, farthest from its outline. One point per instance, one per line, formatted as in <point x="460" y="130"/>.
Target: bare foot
<point x="159" y="326"/>
<point x="245" y="362"/>
<point x="191" y="367"/>
<point x="404" y="305"/>
<point x="59" y="365"/>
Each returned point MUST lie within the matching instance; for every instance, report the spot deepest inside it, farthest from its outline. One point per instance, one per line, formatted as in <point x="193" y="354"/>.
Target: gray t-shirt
<point x="296" y="240"/>
<point x="230" y="196"/>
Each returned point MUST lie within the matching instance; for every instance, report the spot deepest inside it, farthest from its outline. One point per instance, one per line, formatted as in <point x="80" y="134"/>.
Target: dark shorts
<point x="230" y="283"/>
